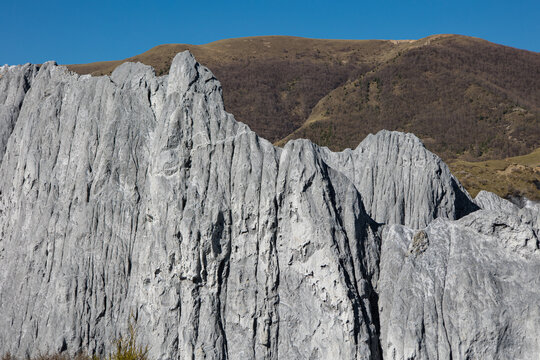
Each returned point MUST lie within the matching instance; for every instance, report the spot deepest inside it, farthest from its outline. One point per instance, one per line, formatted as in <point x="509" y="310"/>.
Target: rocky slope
<point x="138" y="195"/>
<point x="12" y="92"/>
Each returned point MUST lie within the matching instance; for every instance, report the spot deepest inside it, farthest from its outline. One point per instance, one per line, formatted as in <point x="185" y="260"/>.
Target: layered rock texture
<point x="137" y="196"/>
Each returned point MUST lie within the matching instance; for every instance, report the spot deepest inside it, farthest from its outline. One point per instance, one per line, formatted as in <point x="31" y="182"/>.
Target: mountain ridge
<point x="468" y="99"/>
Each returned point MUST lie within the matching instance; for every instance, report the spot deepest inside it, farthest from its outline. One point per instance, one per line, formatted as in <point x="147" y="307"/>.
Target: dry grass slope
<point x="516" y="176"/>
<point x="466" y="98"/>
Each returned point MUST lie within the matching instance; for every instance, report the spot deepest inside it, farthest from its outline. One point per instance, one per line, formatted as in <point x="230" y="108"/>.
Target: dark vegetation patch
<point x="466" y="99"/>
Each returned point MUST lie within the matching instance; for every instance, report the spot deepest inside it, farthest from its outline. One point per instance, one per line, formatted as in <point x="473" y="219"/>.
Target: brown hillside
<point x="467" y="98"/>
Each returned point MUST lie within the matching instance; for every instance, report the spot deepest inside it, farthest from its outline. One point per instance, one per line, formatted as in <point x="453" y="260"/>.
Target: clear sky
<point x="86" y="31"/>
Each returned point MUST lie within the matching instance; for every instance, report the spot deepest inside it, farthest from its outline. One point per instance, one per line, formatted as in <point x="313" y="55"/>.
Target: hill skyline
<point x="36" y="31"/>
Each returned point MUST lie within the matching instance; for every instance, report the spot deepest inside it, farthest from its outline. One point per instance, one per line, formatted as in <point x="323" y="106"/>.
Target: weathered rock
<point x="490" y="201"/>
<point x="472" y="293"/>
<point x="139" y="196"/>
<point x="529" y="213"/>
<point x="14" y="83"/>
<point x="400" y="181"/>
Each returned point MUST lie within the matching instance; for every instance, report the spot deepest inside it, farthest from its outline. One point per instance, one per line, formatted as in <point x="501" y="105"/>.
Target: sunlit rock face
<point x="137" y="196"/>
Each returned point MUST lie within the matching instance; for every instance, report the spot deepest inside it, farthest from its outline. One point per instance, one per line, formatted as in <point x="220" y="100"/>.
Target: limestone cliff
<point x="137" y="195"/>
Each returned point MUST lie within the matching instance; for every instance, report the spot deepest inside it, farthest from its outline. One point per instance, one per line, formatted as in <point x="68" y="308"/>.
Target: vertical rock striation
<point x="14" y="83"/>
<point x="140" y="196"/>
<point x="471" y="291"/>
<point x="400" y="181"/>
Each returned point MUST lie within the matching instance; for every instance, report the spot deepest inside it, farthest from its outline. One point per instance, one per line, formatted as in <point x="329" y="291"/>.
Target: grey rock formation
<point x="400" y="181"/>
<point x="140" y="196"/>
<point x="471" y="293"/>
<point x="134" y="194"/>
<point x="529" y="213"/>
<point x="14" y="83"/>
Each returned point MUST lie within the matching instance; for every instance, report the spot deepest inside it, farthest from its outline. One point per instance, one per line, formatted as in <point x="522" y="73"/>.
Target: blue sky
<point x="79" y="32"/>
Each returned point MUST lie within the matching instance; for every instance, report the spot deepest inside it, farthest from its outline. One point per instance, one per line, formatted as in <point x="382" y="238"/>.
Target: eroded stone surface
<point x="401" y="182"/>
<point x="473" y="293"/>
<point x="136" y="195"/>
<point x="15" y="81"/>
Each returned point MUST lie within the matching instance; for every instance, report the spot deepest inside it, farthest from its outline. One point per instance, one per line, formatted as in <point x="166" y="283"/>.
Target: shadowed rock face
<point x="136" y="195"/>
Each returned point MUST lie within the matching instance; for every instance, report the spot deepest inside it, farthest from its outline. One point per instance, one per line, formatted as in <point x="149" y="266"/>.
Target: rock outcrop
<point x="400" y="181"/>
<point x="137" y="196"/>
<point x="470" y="293"/>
